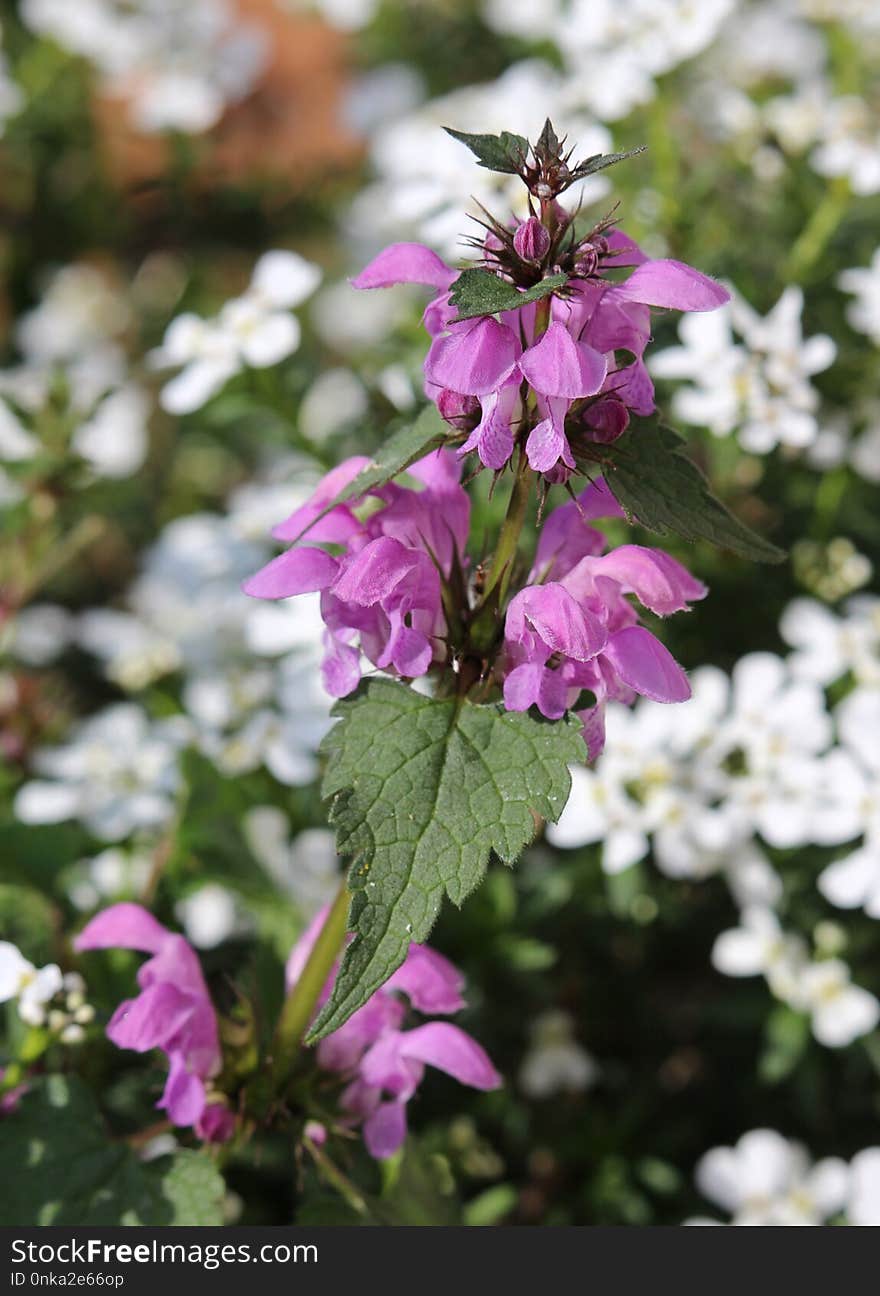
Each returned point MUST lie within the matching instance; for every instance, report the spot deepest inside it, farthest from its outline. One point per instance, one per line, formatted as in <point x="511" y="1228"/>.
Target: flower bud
<point x="461" y="411"/>
<point x="607" y="419"/>
<point x="531" y="240"/>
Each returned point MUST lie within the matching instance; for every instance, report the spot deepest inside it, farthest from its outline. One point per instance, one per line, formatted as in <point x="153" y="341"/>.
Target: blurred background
<point x="692" y="955"/>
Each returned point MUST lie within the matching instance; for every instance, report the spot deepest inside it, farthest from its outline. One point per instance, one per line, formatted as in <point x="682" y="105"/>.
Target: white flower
<point x="828" y="646"/>
<point x="74" y="330"/>
<point x="555" y="1062"/>
<point x="598" y="810"/>
<point x="759" y="388"/>
<point x="840" y="1012"/>
<point x="760" y="947"/>
<point x="863" y="1207"/>
<point x="33" y="987"/>
<point x="849" y="144"/>
<point x="118" y="773"/>
<point x="40" y="633"/>
<point x="254" y="329"/>
<point x="864" y="283"/>
<point x="768" y="1180"/>
<point x="209" y="915"/>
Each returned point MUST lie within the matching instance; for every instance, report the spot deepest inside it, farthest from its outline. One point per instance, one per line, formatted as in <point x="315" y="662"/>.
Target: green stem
<point x="816" y="234"/>
<point x="511" y="529"/>
<point x="336" y="1178"/>
<point x="299" y="1006"/>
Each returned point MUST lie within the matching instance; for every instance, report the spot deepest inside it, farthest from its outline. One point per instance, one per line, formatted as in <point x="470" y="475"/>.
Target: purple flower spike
<point x="173" y="1013"/>
<point x="383" y="1063"/>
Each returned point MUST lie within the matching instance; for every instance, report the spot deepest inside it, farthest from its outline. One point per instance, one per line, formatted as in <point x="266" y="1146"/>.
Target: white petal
<point x="285" y="278"/>
<point x="269" y="341"/>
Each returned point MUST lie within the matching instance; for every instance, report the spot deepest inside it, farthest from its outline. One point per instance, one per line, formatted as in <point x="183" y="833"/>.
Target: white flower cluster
<point x="251" y="687"/>
<point x="44" y="996"/>
<point x="72" y="336"/>
<point x="767" y="1179"/>
<point x="178" y="62"/>
<point x="255" y="329"/>
<point x="756" y="760"/>
<point x="758" y="387"/>
<point x="633" y="41"/>
<point x="117" y="773"/>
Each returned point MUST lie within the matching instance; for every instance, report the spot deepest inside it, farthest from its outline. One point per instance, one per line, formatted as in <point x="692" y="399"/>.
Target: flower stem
<point x="816" y="234"/>
<point x="511" y="529"/>
<point x="299" y="1006"/>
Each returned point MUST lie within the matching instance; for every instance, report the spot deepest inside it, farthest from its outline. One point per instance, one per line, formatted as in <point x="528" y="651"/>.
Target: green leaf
<point x="68" y="1172"/>
<point x="480" y="292"/>
<point x="423" y="790"/>
<point x="504" y="153"/>
<point x="400" y="450"/>
<point x="599" y="161"/>
<point x="658" y="486"/>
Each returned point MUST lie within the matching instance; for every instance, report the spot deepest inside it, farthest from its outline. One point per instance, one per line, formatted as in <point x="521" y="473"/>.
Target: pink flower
<point x="382" y="596"/>
<point x="580" y="356"/>
<point x="383" y="1063"/>
<point x="577" y="630"/>
<point x="173" y="1013"/>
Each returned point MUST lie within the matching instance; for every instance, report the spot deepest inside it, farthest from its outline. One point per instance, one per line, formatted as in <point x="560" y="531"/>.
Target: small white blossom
<point x="255" y="329"/>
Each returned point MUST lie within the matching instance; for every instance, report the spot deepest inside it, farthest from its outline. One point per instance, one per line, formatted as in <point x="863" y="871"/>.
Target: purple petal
<point x="674" y="285"/>
<point x="564" y="539"/>
<point x="564" y="626"/>
<point x="184" y="1096"/>
<point x="385" y="1130"/>
<point x="123" y="926"/>
<point x="449" y="1049"/>
<point x="657" y="580"/>
<point x="405" y="263"/>
<point x="558" y="366"/>
<point x="645" y="665"/>
<point x="634" y="387"/>
<point x="474" y="359"/>
<point x="593" y="720"/>
<point x="598" y="502"/>
<point x="431" y="983"/>
<point x="547" y="444"/>
<point x="522" y="687"/>
<point x="408" y="651"/>
<point x="493" y="437"/>
<point x="152" y="1019"/>
<point x="341" y="669"/>
<point x="371" y="575"/>
<point x="298" y="571"/>
<point x="629" y="251"/>
<point x="336" y="526"/>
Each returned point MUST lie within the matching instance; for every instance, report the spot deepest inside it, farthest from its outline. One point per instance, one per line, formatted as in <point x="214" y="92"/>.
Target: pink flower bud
<point x="531" y="240"/>
<point x="607" y="420"/>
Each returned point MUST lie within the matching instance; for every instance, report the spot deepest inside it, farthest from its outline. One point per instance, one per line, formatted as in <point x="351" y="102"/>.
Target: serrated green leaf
<point x="67" y="1171"/>
<point x="423" y="790"/>
<point x="480" y="292"/>
<point x="504" y="153"/>
<point x="400" y="450"/>
<point x="664" y="491"/>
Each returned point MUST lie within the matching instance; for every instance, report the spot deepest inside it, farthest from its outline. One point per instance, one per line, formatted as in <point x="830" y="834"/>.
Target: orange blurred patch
<point x="288" y="128"/>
